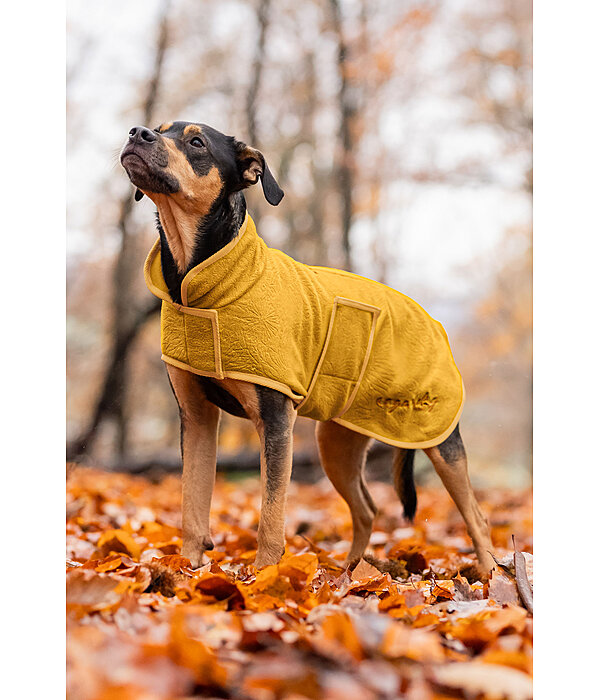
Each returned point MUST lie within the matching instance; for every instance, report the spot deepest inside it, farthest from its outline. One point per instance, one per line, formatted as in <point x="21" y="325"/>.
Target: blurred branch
<point x="306" y="465"/>
<point x="257" y="69"/>
<point x="262" y="16"/>
<point x="347" y="110"/>
<point x="111" y="393"/>
<point x="159" y="57"/>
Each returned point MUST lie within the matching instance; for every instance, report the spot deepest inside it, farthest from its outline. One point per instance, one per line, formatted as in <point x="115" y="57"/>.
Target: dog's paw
<point x="194" y="547"/>
<point x="268" y="556"/>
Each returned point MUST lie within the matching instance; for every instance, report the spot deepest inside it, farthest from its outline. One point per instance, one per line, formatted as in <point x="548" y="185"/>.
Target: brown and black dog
<point x="195" y="176"/>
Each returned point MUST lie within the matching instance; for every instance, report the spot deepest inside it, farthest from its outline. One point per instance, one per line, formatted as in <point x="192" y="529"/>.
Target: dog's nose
<point x="140" y="133"/>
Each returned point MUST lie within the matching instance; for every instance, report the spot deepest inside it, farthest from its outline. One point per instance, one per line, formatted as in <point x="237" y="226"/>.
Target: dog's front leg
<point x="199" y="428"/>
<point x="276" y="418"/>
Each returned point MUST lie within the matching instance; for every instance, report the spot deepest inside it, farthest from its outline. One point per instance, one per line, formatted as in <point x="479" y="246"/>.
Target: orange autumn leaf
<point x="401" y="641"/>
<point x="194" y="654"/>
<point x="302" y="628"/>
<point x="520" y="660"/>
<point x="119" y="541"/>
<point x="483" y="627"/>
<point x="174" y="561"/>
<point x="299" y="568"/>
<point x="109" y="563"/>
<point x="338" y="635"/>
<point x="364" y="571"/>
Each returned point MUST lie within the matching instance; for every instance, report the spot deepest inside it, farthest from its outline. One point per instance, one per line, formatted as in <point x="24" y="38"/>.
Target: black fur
<point x="404" y="481"/>
<point x="219" y="227"/>
<point x="273" y="193"/>
<point x="452" y="449"/>
<point x="273" y="414"/>
<point x="221" y="398"/>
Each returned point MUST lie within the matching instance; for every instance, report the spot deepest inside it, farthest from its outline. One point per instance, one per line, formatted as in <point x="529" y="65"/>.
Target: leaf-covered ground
<point x="142" y="625"/>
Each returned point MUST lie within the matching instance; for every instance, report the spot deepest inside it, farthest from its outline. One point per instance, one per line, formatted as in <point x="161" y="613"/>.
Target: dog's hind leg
<point x="450" y="462"/>
<point x="343" y="454"/>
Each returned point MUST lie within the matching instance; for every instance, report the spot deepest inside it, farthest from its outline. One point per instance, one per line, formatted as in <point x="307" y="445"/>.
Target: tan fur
<point x="181" y="212"/>
<point x="252" y="173"/>
<point x="245" y="393"/>
<point x="343" y="453"/>
<point x="200" y="420"/>
<point x="200" y="424"/>
<point x="165" y="127"/>
<point x="455" y="478"/>
<point x="192" y="129"/>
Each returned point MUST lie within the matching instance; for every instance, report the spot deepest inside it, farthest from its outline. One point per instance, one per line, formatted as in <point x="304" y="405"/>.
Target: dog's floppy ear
<point x="251" y="166"/>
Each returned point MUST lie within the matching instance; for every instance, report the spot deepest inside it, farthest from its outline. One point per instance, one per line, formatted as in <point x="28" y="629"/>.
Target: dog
<point x="195" y="175"/>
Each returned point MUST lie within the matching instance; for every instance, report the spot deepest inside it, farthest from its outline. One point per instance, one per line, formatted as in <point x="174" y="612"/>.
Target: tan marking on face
<point x="192" y="129"/>
<point x="181" y="212"/>
<point x="196" y="194"/>
<point x="165" y="127"/>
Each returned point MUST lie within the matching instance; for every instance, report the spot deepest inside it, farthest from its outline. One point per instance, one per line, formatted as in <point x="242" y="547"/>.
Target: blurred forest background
<point x="401" y="133"/>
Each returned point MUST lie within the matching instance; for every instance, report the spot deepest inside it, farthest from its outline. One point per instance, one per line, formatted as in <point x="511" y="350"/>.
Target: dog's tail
<point x="404" y="481"/>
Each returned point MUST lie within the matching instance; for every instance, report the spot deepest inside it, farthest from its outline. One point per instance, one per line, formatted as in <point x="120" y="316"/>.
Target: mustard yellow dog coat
<point x="343" y="347"/>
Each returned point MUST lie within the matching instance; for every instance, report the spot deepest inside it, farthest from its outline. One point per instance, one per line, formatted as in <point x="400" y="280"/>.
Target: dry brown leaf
<point x="401" y="641"/>
<point x="523" y="585"/>
<point x="502" y="589"/>
<point x="364" y="571"/>
<point x="495" y="682"/>
<point x="88" y="591"/>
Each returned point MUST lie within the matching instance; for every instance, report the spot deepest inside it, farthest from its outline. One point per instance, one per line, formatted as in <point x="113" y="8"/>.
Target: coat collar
<point x="227" y="273"/>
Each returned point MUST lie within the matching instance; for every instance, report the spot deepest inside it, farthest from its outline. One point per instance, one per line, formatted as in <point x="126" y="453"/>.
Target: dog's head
<point x="194" y="165"/>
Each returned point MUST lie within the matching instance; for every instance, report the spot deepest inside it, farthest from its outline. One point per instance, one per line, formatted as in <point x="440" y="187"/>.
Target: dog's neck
<point x="186" y="241"/>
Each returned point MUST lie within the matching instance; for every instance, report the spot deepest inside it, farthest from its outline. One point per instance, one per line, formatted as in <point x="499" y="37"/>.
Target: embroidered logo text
<point x="425" y="402"/>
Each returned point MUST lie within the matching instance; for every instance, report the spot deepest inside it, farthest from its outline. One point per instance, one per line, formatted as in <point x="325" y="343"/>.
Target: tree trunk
<point x="127" y="319"/>
<point x="347" y="109"/>
<point x="262" y="16"/>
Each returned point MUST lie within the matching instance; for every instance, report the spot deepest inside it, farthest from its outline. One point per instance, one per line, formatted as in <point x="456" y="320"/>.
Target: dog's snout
<point x="139" y="134"/>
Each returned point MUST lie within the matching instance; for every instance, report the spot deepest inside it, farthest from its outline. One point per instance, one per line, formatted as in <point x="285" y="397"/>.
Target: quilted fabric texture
<point x="342" y="347"/>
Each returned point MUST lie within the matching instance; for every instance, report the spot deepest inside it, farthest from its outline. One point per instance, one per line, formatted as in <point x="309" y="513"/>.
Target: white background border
<point x="566" y="346"/>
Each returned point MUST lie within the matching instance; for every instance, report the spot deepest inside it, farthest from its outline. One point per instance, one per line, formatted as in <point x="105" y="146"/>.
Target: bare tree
<point x="262" y="16"/>
<point x="347" y="109"/>
<point x="128" y="319"/>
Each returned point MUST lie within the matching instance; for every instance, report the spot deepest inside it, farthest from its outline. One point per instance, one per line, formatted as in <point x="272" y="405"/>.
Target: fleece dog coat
<point x="343" y="347"/>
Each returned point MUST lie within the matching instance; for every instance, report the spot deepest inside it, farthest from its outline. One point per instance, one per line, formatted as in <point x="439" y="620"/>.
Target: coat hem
<point x="272" y="384"/>
<point x="242" y="376"/>
<point x="425" y="444"/>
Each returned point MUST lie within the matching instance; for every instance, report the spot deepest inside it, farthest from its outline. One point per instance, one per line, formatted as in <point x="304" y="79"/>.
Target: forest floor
<point x="142" y="625"/>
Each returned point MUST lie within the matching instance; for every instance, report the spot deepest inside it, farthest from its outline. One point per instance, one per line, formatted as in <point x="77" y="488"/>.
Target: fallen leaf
<point x="364" y="571"/>
<point x="523" y="585"/>
<point x="502" y="589"/>
<point x="119" y="541"/>
<point x="401" y="641"/>
<point x="495" y="682"/>
<point x="88" y="591"/>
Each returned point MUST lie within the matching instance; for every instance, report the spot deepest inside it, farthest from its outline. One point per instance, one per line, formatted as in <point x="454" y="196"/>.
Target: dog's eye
<point x="196" y="141"/>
